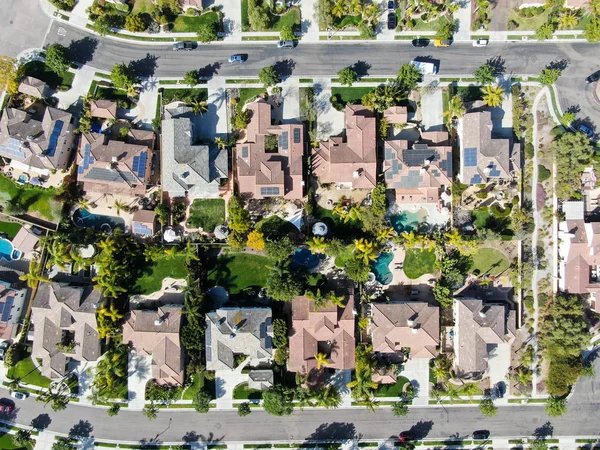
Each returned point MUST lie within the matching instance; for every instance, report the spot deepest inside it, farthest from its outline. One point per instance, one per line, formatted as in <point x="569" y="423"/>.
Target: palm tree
<point x="328" y="397"/>
<point x="365" y="250"/>
<point x="34" y="276"/>
<point x="221" y="143"/>
<point x="339" y="8"/>
<point x="132" y="91"/>
<point x="14" y="384"/>
<point x="370" y="14"/>
<point x="191" y="252"/>
<point x="120" y="206"/>
<point x="456" y="109"/>
<point x="193" y="312"/>
<point x="317" y="245"/>
<point x="319" y="300"/>
<point x="59" y="254"/>
<point x="354" y="7"/>
<point x="363" y="323"/>
<point x="354" y="213"/>
<point x="84" y="203"/>
<point x="492" y="95"/>
<point x="152" y="253"/>
<point x="336" y="300"/>
<point x="322" y="360"/>
<point x="385" y="234"/>
<point x="112" y="313"/>
<point x="370" y="403"/>
<point x="198" y="105"/>
<point x="452" y="392"/>
<point x="79" y="262"/>
<point x="568" y="19"/>
<point x="469" y="389"/>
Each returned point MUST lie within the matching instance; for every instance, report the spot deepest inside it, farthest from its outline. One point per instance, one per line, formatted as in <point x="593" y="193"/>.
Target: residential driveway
<point x="290" y="93"/>
<point x="226" y="381"/>
<point x="330" y="122"/>
<point x="339" y="381"/>
<point x="81" y="85"/>
<point x="498" y="365"/>
<point x="310" y="22"/>
<point x="23" y="25"/>
<point x="432" y="109"/>
<point x="85" y="377"/>
<point x="499" y="14"/>
<point x="417" y="372"/>
<point x="214" y="122"/>
<point x="233" y="17"/>
<point x="139" y="372"/>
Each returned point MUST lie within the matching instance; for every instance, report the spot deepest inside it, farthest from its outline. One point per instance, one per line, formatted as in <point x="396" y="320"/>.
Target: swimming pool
<point x="304" y="258"/>
<point x="381" y="269"/>
<point x="7" y="250"/>
<point x="85" y="219"/>
<point x="408" y="220"/>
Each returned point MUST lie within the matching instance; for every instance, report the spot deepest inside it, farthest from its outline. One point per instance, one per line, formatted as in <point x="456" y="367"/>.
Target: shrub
<point x="242" y="118"/>
<point x="499" y="213"/>
<point x="202" y="401"/>
<point x="336" y="102"/>
<point x="529" y="150"/>
<point x="11" y="357"/>
<point x="244" y="409"/>
<point x="482" y="195"/>
<point x="543" y="173"/>
<point x="512" y="25"/>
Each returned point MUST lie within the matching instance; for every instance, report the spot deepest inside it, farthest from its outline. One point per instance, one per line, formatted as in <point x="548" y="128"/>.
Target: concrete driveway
<point x="417" y="372"/>
<point x="432" y="109"/>
<point x="22" y="26"/>
<point x="139" y="372"/>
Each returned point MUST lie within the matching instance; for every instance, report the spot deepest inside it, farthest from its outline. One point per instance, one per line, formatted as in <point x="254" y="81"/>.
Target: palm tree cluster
<point x="347" y="213"/>
<point x="108" y="319"/>
<point x="363" y="385"/>
<point x="110" y="379"/>
<point x="326" y="397"/>
<point x="456" y="109"/>
<point x="34" y="276"/>
<point x="369" y="12"/>
<point x="465" y="247"/>
<point x="412" y="240"/>
<point x="366" y="250"/>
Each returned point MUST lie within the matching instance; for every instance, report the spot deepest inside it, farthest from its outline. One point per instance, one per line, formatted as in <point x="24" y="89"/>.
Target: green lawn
<point x="291" y="18"/>
<point x="160" y="269"/>
<point x="418" y="263"/>
<point x="352" y="95"/>
<point x="345" y="256"/>
<point x="241" y="392"/>
<point x="31" y="199"/>
<point x="181" y="94"/>
<point x="346" y="21"/>
<point x="6" y="443"/>
<point x="530" y="23"/>
<point x="142" y="6"/>
<point x="191" y="24"/>
<point x="190" y="392"/>
<point x="428" y="26"/>
<point x="39" y="70"/>
<point x="10" y="228"/>
<point x="391" y="390"/>
<point x="207" y="214"/>
<point x="239" y="271"/>
<point x="489" y="261"/>
<point x="28" y="373"/>
<point x="247" y="94"/>
<point x="115" y="94"/>
<point x="275" y="227"/>
<point x="469" y="93"/>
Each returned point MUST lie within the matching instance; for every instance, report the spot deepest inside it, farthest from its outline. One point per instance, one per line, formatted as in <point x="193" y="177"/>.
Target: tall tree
<point x="573" y="152"/>
<point x="123" y="76"/>
<point x="493" y="95"/>
<point x="485" y="74"/>
<point x="58" y="58"/>
<point x="8" y="75"/>
<point x="408" y="76"/>
<point x="347" y="76"/>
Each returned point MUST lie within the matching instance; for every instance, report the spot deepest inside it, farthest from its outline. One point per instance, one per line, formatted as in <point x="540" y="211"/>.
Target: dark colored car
<point x="405" y="436"/>
<point x="593" y="77"/>
<point x="391" y="5"/>
<point x="3" y="348"/>
<point x="481" y="434"/>
<point x="6" y="406"/>
<point x="586" y="130"/>
<point x="391" y="21"/>
<point x="420" y="42"/>
<point x="183" y="45"/>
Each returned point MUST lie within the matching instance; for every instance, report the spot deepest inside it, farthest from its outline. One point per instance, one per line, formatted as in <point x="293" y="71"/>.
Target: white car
<point x="480" y="43"/>
<point x="19" y="395"/>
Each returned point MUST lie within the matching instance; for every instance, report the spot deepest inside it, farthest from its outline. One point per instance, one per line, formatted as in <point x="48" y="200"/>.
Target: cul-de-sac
<point x="305" y="224"/>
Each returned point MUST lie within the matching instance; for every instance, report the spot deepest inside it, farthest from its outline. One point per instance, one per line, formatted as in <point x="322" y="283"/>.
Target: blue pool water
<point x="408" y="221"/>
<point x="84" y="218"/>
<point x="381" y="269"/>
<point x="7" y="251"/>
<point x="304" y="258"/>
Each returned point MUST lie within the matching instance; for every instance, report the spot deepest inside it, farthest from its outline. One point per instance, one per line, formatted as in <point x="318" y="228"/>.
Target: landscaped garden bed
<point x="115" y="94"/>
<point x="39" y="70"/>
<point x="191" y="24"/>
<point x="391" y="390"/>
<point x="183" y="94"/>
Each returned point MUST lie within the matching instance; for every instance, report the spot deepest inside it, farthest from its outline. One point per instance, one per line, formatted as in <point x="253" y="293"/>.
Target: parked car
<point x="236" y="59"/>
<point x="481" y="434"/>
<point x="414" y="292"/>
<point x="285" y="44"/>
<point x="392" y="5"/>
<point x="582" y="128"/>
<point x="593" y="77"/>
<point x="391" y="24"/>
<point x="405" y="436"/>
<point x="183" y="45"/>
<point x="442" y="42"/>
<point x="6" y="406"/>
<point x="3" y="348"/>
<point x="19" y="395"/>
<point x="422" y="42"/>
<point x="480" y="43"/>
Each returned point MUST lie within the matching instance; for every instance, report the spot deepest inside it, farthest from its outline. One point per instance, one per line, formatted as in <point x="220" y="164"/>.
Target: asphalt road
<point x="434" y="422"/>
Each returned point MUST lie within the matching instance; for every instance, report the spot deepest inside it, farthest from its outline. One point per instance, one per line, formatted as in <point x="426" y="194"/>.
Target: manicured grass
<point x="191" y="24"/>
<point x="115" y="94"/>
<point x="10" y="228"/>
<point x="181" y="94"/>
<point x="480" y="217"/>
<point x="6" y="443"/>
<point x="207" y="214"/>
<point x="260" y="38"/>
<point x="239" y="271"/>
<point x="530" y="23"/>
<point x="39" y="70"/>
<point x="275" y="227"/>
<point x="291" y="18"/>
<point x="346" y="21"/>
<point x="351" y="95"/>
<point x="391" y="390"/>
<point x="190" y="392"/>
<point x="28" y="373"/>
<point x="489" y="261"/>
<point x="345" y="256"/>
<point x="247" y="94"/>
<point x="469" y="93"/>
<point x="417" y="263"/>
<point x="428" y="26"/>
<point x="142" y="6"/>
<point x="31" y="198"/>
<point x="244" y="10"/>
<point x="158" y="270"/>
<point x="242" y="81"/>
<point x="241" y="392"/>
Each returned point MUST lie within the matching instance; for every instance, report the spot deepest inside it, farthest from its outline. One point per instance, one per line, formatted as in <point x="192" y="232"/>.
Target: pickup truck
<point x="426" y="68"/>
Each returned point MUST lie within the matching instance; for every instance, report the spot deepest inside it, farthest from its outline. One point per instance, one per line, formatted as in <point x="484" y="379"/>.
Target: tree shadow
<point x="82" y="429"/>
<point x="220" y="273"/>
<point x="560" y="64"/>
<point x="83" y="50"/>
<point x="361" y="68"/>
<point x="190" y="436"/>
<point x="144" y="67"/>
<point x="421" y="429"/>
<point x="544" y="431"/>
<point x="334" y="431"/>
<point x="210" y="70"/>
<point x="575" y="109"/>
<point x="498" y="63"/>
<point x="284" y="68"/>
<point x="41" y="422"/>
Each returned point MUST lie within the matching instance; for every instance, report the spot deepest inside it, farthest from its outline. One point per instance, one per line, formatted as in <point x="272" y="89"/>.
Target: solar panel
<point x="494" y="172"/>
<point x="476" y="179"/>
<point x="412" y="180"/>
<point x="13" y="149"/>
<point x="136" y="164"/>
<point x="141" y="229"/>
<point x="53" y="141"/>
<point x="470" y="156"/>
<point x="417" y="156"/>
<point x="143" y="161"/>
<point x="389" y="153"/>
<point x="296" y="135"/>
<point x="269" y="191"/>
<point x="244" y="152"/>
<point x="446" y="164"/>
<point x="7" y="309"/>
<point x="283" y="140"/>
<point x="87" y="158"/>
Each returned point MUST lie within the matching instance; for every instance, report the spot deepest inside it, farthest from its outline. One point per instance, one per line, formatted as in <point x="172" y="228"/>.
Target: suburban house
<point x="269" y="157"/>
<point x="351" y="161"/>
<point x="482" y="332"/>
<point x="189" y="169"/>
<point x="144" y="223"/>
<point x="236" y="334"/>
<point x="155" y="333"/>
<point x="483" y="158"/>
<point x="112" y="166"/>
<point x="64" y="327"/>
<point x="193" y="4"/>
<point x="26" y="242"/>
<point x="103" y="109"/>
<point x="13" y="295"/>
<point x="579" y="250"/>
<point x="38" y="141"/>
<point x="328" y="330"/>
<point x="419" y="172"/>
<point x="34" y="88"/>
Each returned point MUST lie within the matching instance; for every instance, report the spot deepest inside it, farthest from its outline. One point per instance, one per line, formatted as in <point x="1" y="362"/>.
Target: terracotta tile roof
<point x="329" y="330"/>
<point x="156" y="333"/>
<point x="397" y="325"/>
<point x="104" y="109"/>
<point x="263" y="174"/>
<point x="353" y="161"/>
<point x="396" y="114"/>
<point x="25" y="240"/>
<point x="583" y="256"/>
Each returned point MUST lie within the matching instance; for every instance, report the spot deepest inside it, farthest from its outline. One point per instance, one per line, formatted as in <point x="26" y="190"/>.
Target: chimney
<point x="410" y="323"/>
<point x="426" y="162"/>
<point x="423" y="170"/>
<point x="487" y="170"/>
<point x="356" y="173"/>
<point x="482" y="313"/>
<point x="158" y="322"/>
<point x="232" y="336"/>
<point x="415" y="330"/>
<point x="114" y="159"/>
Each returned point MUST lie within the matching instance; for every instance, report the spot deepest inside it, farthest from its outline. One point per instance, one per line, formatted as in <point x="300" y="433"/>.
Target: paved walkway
<point x="147" y="103"/>
<point x="139" y="372"/>
<point x="79" y="15"/>
<point x="226" y="381"/>
<point x="81" y="85"/>
<point x="85" y="377"/>
<point x="310" y="22"/>
<point x="44" y="440"/>
<point x="463" y="19"/>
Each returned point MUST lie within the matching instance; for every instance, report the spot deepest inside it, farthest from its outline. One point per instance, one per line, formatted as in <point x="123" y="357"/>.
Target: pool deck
<point x="434" y="216"/>
<point x="400" y="278"/>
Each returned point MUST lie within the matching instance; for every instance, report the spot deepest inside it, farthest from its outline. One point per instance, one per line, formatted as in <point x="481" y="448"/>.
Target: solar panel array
<point x="476" y="179"/>
<point x="436" y="173"/>
<point x="412" y="180"/>
<point x="494" y="172"/>
<point x="139" y="164"/>
<point x="244" y="152"/>
<point x="53" y="141"/>
<point x="13" y="149"/>
<point x="283" y="140"/>
<point x="296" y="135"/>
<point x="446" y="164"/>
<point x="417" y="156"/>
<point x="142" y="229"/>
<point x="208" y="345"/>
<point x="6" y="310"/>
<point x="470" y="155"/>
<point x="389" y="154"/>
<point x="88" y="159"/>
<point x="269" y="191"/>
